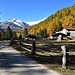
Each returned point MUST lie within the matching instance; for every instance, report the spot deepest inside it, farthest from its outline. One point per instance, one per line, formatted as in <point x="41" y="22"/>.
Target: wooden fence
<point x="29" y="47"/>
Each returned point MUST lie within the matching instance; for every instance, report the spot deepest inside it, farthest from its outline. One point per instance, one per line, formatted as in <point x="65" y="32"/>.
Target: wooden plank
<point x="26" y="49"/>
<point x="26" y="44"/>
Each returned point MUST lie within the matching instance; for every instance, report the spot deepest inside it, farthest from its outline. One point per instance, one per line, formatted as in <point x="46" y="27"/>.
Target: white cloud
<point x="35" y="22"/>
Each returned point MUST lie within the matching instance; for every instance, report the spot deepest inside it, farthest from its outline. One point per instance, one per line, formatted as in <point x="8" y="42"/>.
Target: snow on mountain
<point x="17" y="22"/>
<point x="14" y="24"/>
<point x="35" y="22"/>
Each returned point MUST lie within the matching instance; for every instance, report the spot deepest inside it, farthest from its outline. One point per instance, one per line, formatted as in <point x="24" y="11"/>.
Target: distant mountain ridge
<point x="14" y="24"/>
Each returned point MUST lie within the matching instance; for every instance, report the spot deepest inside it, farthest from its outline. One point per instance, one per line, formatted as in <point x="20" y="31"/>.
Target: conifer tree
<point x="20" y="37"/>
<point x="44" y="33"/>
<point x="58" y="25"/>
<point x="8" y="33"/>
<point x="25" y="32"/>
<point x="14" y="35"/>
<point x="0" y="35"/>
<point x="3" y="35"/>
<point x="41" y="33"/>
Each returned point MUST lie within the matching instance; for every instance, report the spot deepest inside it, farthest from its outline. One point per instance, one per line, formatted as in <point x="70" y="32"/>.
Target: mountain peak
<point x="12" y="19"/>
<point x="17" y="22"/>
<point x="14" y="24"/>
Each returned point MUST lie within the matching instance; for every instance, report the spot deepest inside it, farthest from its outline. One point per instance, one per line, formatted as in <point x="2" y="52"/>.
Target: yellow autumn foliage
<point x="65" y="16"/>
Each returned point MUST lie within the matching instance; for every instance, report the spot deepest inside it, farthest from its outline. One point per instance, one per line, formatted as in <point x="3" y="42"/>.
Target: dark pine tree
<point x="45" y="33"/>
<point x="14" y="35"/>
<point x="20" y="36"/>
<point x="41" y="33"/>
<point x="25" y="32"/>
<point x="8" y="33"/>
<point x="3" y="35"/>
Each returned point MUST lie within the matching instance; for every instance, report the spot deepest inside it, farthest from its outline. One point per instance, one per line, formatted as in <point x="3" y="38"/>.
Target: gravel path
<point x="13" y="62"/>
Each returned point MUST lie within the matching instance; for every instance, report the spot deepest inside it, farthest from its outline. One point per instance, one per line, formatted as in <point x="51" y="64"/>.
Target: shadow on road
<point x="12" y="59"/>
<point x="4" y="44"/>
<point x="9" y="60"/>
<point x="20" y="64"/>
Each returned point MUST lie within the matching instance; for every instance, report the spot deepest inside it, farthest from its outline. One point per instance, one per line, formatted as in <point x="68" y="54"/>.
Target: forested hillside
<point x="62" y="18"/>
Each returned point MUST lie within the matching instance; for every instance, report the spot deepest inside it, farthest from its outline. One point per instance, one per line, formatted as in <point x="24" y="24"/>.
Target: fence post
<point x="19" y="43"/>
<point x="65" y="56"/>
<point x="33" y="48"/>
<point x="12" y="41"/>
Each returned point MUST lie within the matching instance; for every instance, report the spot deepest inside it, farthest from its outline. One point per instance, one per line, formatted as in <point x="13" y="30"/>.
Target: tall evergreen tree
<point x="14" y="35"/>
<point x="20" y="36"/>
<point x="25" y="32"/>
<point x="44" y="33"/>
<point x="0" y="35"/>
<point x="41" y="33"/>
<point x="8" y="33"/>
<point x="3" y="35"/>
<point x="58" y="25"/>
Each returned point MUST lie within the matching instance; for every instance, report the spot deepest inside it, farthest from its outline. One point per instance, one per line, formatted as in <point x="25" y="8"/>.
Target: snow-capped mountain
<point x="17" y="22"/>
<point x="14" y="24"/>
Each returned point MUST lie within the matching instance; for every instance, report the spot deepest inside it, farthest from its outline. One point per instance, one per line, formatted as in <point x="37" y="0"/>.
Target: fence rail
<point x="45" y="49"/>
<point x="25" y="48"/>
<point x="29" y="47"/>
<point x="26" y="44"/>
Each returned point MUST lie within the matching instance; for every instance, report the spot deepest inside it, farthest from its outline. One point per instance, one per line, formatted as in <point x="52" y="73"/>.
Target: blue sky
<point x="31" y="10"/>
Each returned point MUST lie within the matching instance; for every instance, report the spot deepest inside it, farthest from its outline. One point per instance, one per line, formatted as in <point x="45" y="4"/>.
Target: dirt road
<point x="13" y="62"/>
